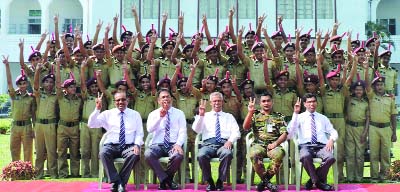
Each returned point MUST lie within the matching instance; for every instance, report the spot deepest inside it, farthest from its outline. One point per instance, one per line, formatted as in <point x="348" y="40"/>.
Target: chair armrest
<point x="249" y="140"/>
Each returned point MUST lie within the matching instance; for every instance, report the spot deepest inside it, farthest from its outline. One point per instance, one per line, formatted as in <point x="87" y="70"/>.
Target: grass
<point x="5" y="158"/>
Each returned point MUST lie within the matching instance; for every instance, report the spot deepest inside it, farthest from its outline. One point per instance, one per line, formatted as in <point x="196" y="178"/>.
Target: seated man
<point x="269" y="130"/>
<point x="310" y="128"/>
<point x="168" y="126"/>
<point x="124" y="138"/>
<point x="219" y="130"/>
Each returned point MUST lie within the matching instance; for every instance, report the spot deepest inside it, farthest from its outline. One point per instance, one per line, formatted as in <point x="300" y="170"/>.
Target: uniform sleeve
<point x="393" y="108"/>
<point x="282" y="125"/>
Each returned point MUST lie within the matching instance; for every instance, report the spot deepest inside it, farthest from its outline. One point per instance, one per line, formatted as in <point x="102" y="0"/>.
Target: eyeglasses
<point x="120" y="100"/>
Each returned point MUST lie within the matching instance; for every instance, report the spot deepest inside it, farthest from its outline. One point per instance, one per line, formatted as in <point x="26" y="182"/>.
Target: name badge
<point x="269" y="128"/>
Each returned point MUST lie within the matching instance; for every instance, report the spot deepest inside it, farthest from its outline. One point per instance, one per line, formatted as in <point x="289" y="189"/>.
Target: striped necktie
<point x="167" y="132"/>
<point x="313" y="130"/>
<point x="122" y="132"/>
<point x="217" y="129"/>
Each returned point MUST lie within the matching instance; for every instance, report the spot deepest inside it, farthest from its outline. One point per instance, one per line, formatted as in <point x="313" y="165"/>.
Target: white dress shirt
<point x="206" y="125"/>
<point x="300" y="126"/>
<point x="156" y="125"/>
<point x="111" y="121"/>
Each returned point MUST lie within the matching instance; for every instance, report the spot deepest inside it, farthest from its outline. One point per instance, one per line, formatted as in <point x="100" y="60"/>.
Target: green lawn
<point x="5" y="158"/>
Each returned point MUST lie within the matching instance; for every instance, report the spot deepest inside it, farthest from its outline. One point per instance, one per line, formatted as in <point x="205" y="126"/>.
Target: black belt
<point x="144" y="120"/>
<point x="69" y="123"/>
<point x="46" y="121"/>
<point x="379" y="125"/>
<point x="84" y="120"/>
<point x="355" y="124"/>
<point x="22" y="123"/>
<point x="288" y="118"/>
<point x="263" y="142"/>
<point x="189" y="121"/>
<point x="334" y="115"/>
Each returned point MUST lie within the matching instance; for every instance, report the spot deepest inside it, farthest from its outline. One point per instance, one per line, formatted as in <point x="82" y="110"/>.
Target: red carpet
<point x="46" y="186"/>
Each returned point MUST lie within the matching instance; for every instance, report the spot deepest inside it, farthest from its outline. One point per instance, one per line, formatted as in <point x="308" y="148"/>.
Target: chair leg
<point x="335" y="176"/>
<point x="299" y="169"/>
<point x="101" y="174"/>
<point x="196" y="174"/>
<point x="249" y="169"/>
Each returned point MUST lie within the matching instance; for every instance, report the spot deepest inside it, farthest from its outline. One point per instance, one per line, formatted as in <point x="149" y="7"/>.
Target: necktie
<point x="313" y="130"/>
<point x="167" y="129"/>
<point x="122" y="132"/>
<point x="217" y="129"/>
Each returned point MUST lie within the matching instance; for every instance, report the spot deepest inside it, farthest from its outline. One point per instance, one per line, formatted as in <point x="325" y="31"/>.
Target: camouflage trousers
<point x="258" y="152"/>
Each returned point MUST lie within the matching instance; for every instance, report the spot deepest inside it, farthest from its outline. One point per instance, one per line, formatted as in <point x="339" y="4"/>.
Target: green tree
<point x="380" y="30"/>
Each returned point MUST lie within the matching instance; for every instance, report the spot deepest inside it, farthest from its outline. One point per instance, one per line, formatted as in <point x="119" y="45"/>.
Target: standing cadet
<point x="164" y="64"/>
<point x="23" y="110"/>
<point x="89" y="138"/>
<point x="269" y="129"/>
<point x="357" y="123"/>
<point x="382" y="126"/>
<point x="256" y="66"/>
<point x="385" y="70"/>
<point x="187" y="98"/>
<point x="70" y="105"/>
<point x="45" y="126"/>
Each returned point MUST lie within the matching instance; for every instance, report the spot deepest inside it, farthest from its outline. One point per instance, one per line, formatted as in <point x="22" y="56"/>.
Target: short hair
<point x="163" y="90"/>
<point x="308" y="96"/>
<point x="266" y="93"/>
<point x="218" y="94"/>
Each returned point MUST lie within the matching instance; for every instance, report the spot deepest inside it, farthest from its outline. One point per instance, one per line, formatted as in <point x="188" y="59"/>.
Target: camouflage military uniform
<point x="267" y="129"/>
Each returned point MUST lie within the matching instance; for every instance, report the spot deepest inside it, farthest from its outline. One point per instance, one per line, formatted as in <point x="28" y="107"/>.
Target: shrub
<point x="5" y="125"/>
<point x="394" y="171"/>
<point x="18" y="170"/>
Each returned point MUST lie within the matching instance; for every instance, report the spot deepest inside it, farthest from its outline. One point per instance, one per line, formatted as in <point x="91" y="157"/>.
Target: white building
<point x="27" y="19"/>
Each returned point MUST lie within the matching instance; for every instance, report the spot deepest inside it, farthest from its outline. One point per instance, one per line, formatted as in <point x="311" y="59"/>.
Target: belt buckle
<point x="69" y="124"/>
<point x="45" y="121"/>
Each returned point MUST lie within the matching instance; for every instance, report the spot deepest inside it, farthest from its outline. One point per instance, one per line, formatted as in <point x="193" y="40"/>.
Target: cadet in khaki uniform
<point x="187" y="98"/>
<point x="385" y="70"/>
<point x="333" y="97"/>
<point x="361" y="57"/>
<point x="256" y="66"/>
<point x="89" y="138"/>
<point x="145" y="102"/>
<point x="232" y="104"/>
<point x="269" y="129"/>
<point x="46" y="124"/>
<point x="70" y="105"/>
<point x="357" y="123"/>
<point x="164" y="64"/>
<point x="209" y="86"/>
<point x="23" y="108"/>
<point x="382" y="127"/>
<point x="100" y="62"/>
<point x="214" y="63"/>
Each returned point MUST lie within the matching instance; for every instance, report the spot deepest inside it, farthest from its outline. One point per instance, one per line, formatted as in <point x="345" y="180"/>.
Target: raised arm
<point x="318" y="39"/>
<point x="180" y="29"/>
<point x="251" y="109"/>
<point x="297" y="43"/>
<point x="206" y="30"/>
<point x="196" y="47"/>
<point x="56" y="32"/>
<point x="128" y="80"/>
<point x="176" y="48"/>
<point x="8" y="72"/>
<point x="335" y="28"/>
<point x="164" y="22"/>
<point x="106" y="44"/>
<point x="42" y="38"/>
<point x="319" y="67"/>
<point x="353" y="71"/>
<point x="153" y="40"/>
<point x="267" y="79"/>
<point x="58" y="78"/>
<point x="82" y="75"/>
<point x="21" y="53"/>
<point x="153" y="77"/>
<point x="236" y="89"/>
<point x="366" y="76"/>
<point x="115" y="27"/>
<point x="96" y="34"/>
<point x="82" y="48"/>
<point x="269" y="42"/>
<point x="349" y="48"/>
<point x="175" y="77"/>
<point x="280" y="19"/>
<point x="100" y="83"/>
<point x="130" y="50"/>
<point x="137" y="24"/>
<point x="231" y="29"/>
<point x="189" y="84"/>
<point x="326" y="39"/>
<point x="239" y="44"/>
<point x="260" y="22"/>
<point x="46" y="51"/>
<point x="299" y="76"/>
<point x="377" y="44"/>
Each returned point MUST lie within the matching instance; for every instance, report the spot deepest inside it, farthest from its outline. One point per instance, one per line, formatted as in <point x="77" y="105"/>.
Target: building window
<point x="34" y="22"/>
<point x="127" y="5"/>
<point x="209" y="8"/>
<point x="171" y="7"/>
<point x="150" y="9"/>
<point x="224" y="6"/>
<point x="305" y="9"/>
<point x="324" y="9"/>
<point x="72" y="23"/>
<point x="389" y="24"/>
<point x="247" y="9"/>
<point x="286" y="9"/>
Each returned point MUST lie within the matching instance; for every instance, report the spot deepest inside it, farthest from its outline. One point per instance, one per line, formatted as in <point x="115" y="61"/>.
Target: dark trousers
<point x="210" y="149"/>
<point x="107" y="155"/>
<point x="155" y="152"/>
<point x="308" y="152"/>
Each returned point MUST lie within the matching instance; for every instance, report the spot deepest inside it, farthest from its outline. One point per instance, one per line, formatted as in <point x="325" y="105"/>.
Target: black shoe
<point x="210" y="186"/>
<point x="121" y="188"/>
<point x="324" y="186"/>
<point x="271" y="187"/>
<point x="261" y="186"/>
<point x="309" y="185"/>
<point x="114" y="187"/>
<point x="163" y="185"/>
<point x="172" y="185"/>
<point x="219" y="185"/>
